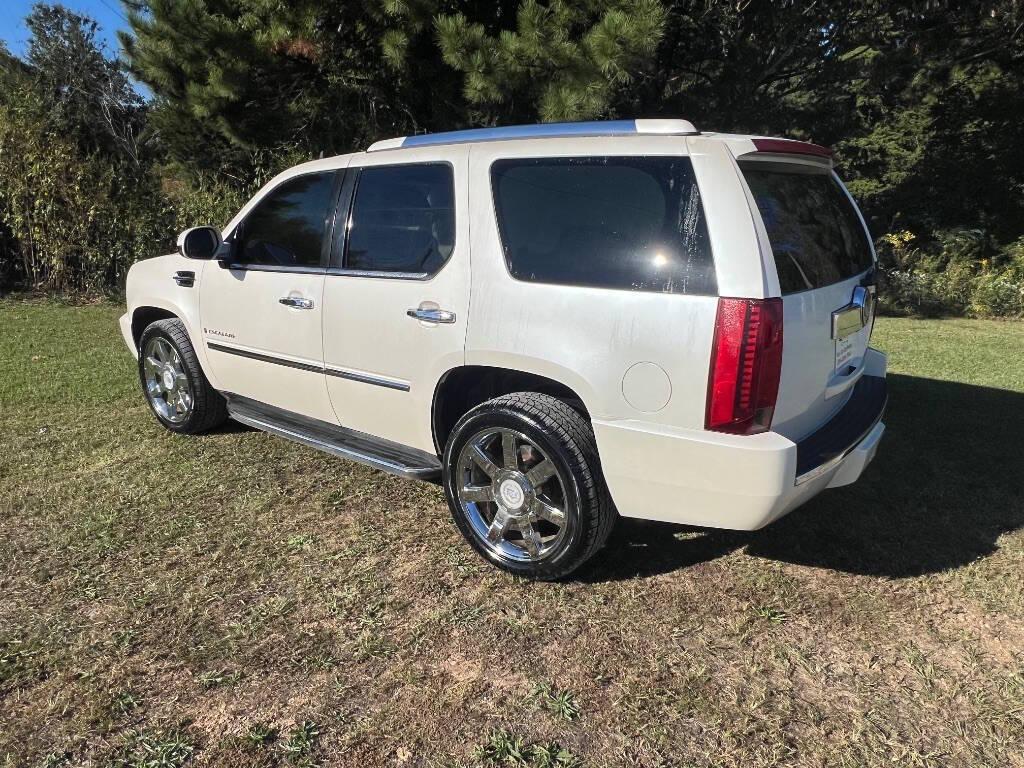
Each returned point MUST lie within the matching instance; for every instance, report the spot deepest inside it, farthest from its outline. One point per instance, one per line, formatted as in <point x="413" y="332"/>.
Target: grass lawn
<point x="234" y="599"/>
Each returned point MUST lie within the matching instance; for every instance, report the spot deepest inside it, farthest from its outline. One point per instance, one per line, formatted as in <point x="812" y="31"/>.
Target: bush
<point x="920" y="292"/>
<point x="953" y="276"/>
<point x="998" y="295"/>
<point x="75" y="221"/>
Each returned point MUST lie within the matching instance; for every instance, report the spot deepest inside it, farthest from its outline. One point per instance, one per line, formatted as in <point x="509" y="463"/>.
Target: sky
<point x="107" y="13"/>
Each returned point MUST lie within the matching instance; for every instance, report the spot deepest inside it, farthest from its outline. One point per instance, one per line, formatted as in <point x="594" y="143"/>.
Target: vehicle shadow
<point x="948" y="481"/>
<point x="231" y="427"/>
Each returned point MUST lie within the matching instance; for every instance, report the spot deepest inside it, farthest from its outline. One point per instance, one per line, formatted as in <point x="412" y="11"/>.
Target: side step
<point x="346" y="443"/>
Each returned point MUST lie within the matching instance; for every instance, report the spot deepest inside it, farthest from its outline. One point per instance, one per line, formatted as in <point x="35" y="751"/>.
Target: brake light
<point x="746" y="361"/>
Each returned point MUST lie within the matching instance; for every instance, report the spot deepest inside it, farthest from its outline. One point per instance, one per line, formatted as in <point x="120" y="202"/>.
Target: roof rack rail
<point x="542" y="130"/>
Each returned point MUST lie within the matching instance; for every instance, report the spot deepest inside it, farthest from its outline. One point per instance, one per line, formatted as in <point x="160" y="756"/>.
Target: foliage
<point x="83" y="194"/>
<point x="921" y="101"/>
<point x="956" y="277"/>
<point x="74" y="218"/>
<point x="77" y="195"/>
<point x="562" y="61"/>
<point x="303" y="76"/>
<point x="83" y="93"/>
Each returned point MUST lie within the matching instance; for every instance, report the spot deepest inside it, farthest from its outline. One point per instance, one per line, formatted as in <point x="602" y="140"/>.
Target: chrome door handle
<point x="295" y="301"/>
<point x="432" y="315"/>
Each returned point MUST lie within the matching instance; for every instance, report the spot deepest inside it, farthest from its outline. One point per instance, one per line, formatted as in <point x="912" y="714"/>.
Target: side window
<point x="286" y="228"/>
<point x="403" y="219"/>
<point x="633" y="223"/>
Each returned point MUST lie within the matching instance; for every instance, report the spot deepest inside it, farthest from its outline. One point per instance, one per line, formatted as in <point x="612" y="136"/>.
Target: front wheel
<point x="524" y="484"/>
<point x="175" y="387"/>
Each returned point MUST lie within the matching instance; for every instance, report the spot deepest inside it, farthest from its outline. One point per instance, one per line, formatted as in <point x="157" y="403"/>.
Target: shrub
<point x="998" y="295"/>
<point x="75" y="221"/>
<point x="952" y="276"/>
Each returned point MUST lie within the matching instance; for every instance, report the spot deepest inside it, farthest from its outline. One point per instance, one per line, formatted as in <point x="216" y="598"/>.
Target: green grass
<point x="233" y="599"/>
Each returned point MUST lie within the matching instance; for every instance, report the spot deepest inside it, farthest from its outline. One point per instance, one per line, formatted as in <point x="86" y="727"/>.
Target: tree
<point x="78" y="200"/>
<point x="236" y="78"/>
<point x="931" y="135"/>
<point x="85" y="92"/>
<point x="568" y="60"/>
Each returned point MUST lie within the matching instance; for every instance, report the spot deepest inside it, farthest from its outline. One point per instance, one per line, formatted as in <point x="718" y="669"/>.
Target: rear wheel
<point x="524" y="484"/>
<point x="175" y="387"/>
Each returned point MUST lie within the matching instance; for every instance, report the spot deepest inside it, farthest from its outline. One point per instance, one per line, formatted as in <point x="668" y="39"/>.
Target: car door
<point x="397" y="295"/>
<point x="262" y="310"/>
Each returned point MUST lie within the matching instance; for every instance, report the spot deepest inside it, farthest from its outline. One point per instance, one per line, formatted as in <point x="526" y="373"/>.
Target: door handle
<point x="432" y="315"/>
<point x="296" y="302"/>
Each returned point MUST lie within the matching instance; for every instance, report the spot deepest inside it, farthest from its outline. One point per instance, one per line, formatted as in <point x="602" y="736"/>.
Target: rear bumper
<point x="716" y="480"/>
<point x="826" y="447"/>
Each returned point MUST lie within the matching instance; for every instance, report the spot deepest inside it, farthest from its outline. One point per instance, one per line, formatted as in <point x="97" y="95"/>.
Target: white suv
<point x="562" y="322"/>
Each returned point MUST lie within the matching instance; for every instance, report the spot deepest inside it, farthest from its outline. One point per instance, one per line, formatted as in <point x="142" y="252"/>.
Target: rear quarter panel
<point x="587" y="338"/>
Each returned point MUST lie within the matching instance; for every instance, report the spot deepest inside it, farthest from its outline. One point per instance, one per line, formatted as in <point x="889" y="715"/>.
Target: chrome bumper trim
<point x="821" y="469"/>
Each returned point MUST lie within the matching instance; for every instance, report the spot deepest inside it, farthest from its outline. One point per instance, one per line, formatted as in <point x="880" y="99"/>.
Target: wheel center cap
<point x="168" y="378"/>
<point x="512" y="494"/>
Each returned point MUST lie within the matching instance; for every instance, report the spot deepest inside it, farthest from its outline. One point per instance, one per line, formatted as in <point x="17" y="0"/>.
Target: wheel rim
<point x="512" y="494"/>
<point x="167" y="385"/>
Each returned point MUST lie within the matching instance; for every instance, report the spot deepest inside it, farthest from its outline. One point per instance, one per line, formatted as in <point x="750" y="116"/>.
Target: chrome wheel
<point x="167" y="385"/>
<point x="512" y="494"/>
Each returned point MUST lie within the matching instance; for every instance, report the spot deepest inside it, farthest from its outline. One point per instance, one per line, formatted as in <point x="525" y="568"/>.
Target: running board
<point x="347" y="443"/>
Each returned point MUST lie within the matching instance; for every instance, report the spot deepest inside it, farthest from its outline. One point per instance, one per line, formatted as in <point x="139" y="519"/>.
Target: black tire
<point x="209" y="410"/>
<point x="561" y="434"/>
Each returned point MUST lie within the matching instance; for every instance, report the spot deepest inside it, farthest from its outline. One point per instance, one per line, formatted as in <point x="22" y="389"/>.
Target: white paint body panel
<point x="657" y="459"/>
<point x="150" y="284"/>
<point x="586" y="338"/>
<point x="366" y="329"/>
<point x="241" y="309"/>
<point x="717" y="480"/>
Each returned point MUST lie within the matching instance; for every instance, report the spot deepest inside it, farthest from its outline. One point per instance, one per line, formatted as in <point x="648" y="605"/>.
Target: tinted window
<point x="816" y="236"/>
<point x="286" y="228"/>
<point x="403" y="219"/>
<point x="615" y="222"/>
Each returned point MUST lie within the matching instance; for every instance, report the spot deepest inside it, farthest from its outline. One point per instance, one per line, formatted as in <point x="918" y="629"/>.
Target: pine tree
<point x="568" y="60"/>
<point x="229" y="77"/>
<point x="237" y="78"/>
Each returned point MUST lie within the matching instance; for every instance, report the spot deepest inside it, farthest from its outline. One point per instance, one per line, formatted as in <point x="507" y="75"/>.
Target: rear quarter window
<point x="816" y="235"/>
<point x="632" y="223"/>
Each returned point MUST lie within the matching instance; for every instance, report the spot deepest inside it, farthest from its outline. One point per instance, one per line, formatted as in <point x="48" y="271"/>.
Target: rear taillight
<point x="746" y="360"/>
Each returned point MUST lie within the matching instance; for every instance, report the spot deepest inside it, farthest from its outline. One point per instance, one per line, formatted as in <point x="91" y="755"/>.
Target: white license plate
<point x="844" y="352"/>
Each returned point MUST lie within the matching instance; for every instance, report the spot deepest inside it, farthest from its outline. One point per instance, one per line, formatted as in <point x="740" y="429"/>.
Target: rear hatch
<point x="825" y="264"/>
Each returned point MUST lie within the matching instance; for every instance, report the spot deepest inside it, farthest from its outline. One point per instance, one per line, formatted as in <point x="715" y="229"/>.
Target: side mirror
<point x="199" y="242"/>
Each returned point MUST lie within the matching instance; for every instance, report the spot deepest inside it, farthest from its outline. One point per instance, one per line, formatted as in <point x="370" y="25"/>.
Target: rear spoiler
<point x="791" y="147"/>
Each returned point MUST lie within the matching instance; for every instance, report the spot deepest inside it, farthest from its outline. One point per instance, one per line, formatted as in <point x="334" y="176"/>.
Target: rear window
<point x="610" y="222"/>
<point x="816" y="236"/>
